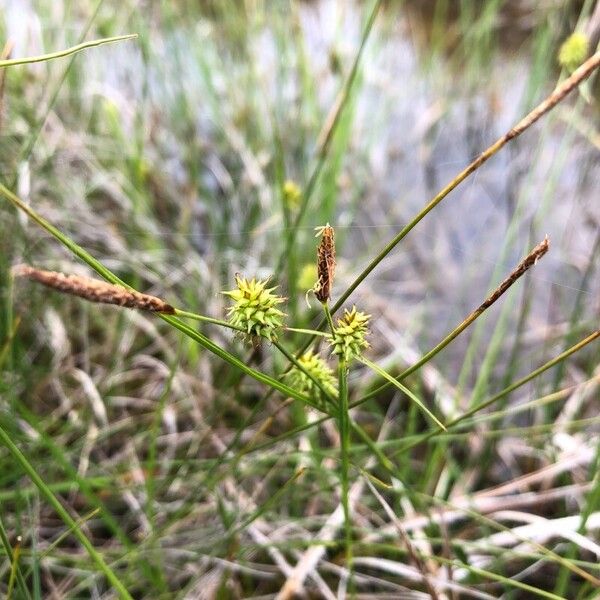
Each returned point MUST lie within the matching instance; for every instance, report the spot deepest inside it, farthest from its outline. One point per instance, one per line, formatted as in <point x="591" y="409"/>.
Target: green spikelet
<point x="319" y="369"/>
<point x="349" y="336"/>
<point x="254" y="308"/>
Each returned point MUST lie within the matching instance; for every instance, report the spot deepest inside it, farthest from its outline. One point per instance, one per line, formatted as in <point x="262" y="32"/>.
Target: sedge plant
<point x="256" y="313"/>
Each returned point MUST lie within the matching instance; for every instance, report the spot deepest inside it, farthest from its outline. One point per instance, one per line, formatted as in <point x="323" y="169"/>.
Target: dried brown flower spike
<point x="93" y="289"/>
<point x="325" y="263"/>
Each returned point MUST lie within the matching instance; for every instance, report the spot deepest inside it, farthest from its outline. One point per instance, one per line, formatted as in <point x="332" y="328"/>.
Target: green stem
<point x="307" y="331"/>
<point x="197" y="317"/>
<point x="328" y="317"/>
<point x="344" y="427"/>
<point x="64" y="515"/>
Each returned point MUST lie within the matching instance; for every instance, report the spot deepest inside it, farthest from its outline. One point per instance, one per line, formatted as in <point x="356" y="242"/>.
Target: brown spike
<point x="93" y="290"/>
<point x="519" y="270"/>
<point x="325" y="263"/>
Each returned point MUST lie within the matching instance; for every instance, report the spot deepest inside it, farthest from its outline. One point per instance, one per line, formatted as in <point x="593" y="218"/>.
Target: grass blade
<point x="403" y="389"/>
<point x="12" y="62"/>
<point x="64" y="515"/>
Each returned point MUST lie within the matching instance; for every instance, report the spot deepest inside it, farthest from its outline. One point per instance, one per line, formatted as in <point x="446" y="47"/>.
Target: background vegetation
<point x="166" y="158"/>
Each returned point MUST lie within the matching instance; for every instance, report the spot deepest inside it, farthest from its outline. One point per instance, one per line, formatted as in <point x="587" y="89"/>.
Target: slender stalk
<point x="343" y="424"/>
<point x="328" y="317"/>
<point x="11" y="62"/>
<point x="204" y="319"/>
<point x="308" y="331"/>
<point x="64" y="515"/>
<point x="9" y="553"/>
<point x="14" y="568"/>
<point x="36" y="130"/>
<point x="344" y="429"/>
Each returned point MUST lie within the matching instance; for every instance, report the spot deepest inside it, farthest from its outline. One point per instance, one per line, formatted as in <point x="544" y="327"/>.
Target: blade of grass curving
<point x="508" y="582"/>
<point x="28" y="147"/>
<point x="11" y="62"/>
<point x="81" y="521"/>
<point x="383" y="373"/>
<point x="64" y="515"/>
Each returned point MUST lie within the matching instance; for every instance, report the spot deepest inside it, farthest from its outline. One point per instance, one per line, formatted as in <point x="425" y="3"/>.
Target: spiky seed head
<point x="319" y="369"/>
<point x="573" y="51"/>
<point x="255" y="308"/>
<point x="348" y="339"/>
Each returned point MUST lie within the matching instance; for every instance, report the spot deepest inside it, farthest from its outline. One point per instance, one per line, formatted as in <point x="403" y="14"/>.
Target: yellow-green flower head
<point x="291" y="193"/>
<point x="349" y="336"/>
<point x="319" y="369"/>
<point x="573" y="51"/>
<point x="255" y="308"/>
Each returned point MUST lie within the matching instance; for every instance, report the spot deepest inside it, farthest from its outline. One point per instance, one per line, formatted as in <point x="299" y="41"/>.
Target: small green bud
<point x="291" y="193"/>
<point x="254" y="308"/>
<point x="573" y="51"/>
<point x="348" y="339"/>
<point x="307" y="277"/>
